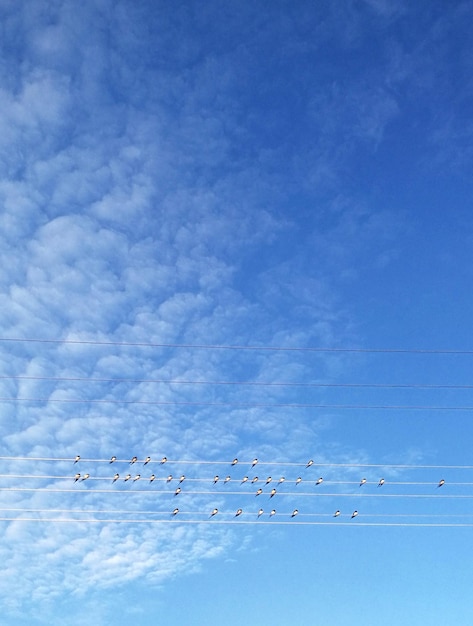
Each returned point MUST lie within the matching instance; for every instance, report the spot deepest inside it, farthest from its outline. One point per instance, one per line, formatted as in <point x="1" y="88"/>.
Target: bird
<point x="178" y="491"/>
<point x="116" y="477"/>
<point x="309" y="463"/>
<point x="354" y="514"/>
<point x="273" y="512"/>
<point x="441" y="483"/>
<point x="113" y="459"/>
<point x="76" y="477"/>
<point x="77" y="458"/>
<point x="127" y="477"/>
<point x="227" y="479"/>
<point x="281" y="480"/>
<point x="214" y="512"/>
<point x="169" y="478"/>
<point x="175" y="512"/>
<point x="244" y="480"/>
<point x="319" y="481"/>
<point x="273" y="493"/>
<point x="337" y="513"/>
<point x="362" y="482"/>
<point x="215" y="479"/>
<point x="239" y="512"/>
<point x="85" y="476"/>
<point x="163" y="460"/>
<point x="381" y="482"/>
<point x="137" y="477"/>
<point x="260" y="512"/>
<point x="259" y="492"/>
<point x="255" y="479"/>
<point x="133" y="460"/>
<point x="254" y="462"/>
<point x="294" y="513"/>
<point x="147" y="460"/>
<point x="182" y="479"/>
<point x="268" y="480"/>
<point x="235" y="461"/>
<point x="151" y="478"/>
<point x="298" y="480"/>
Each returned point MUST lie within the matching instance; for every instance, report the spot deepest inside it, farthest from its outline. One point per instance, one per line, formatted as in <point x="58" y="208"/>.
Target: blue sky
<point x="178" y="179"/>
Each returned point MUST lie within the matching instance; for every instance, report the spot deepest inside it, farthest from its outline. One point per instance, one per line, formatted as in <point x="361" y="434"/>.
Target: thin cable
<point x="91" y="342"/>
<point x="239" y="382"/>
<point x="251" y="405"/>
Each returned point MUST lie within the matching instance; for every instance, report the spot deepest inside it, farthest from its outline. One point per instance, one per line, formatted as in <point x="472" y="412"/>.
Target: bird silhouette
<point x="362" y="481"/>
<point x="354" y="514"/>
<point x="77" y="458"/>
<point x="311" y="462"/>
<point x="133" y="460"/>
<point x="319" y="481"/>
<point x="147" y="460"/>
<point x="294" y="513"/>
<point x="239" y="512"/>
<point x="259" y="492"/>
<point x="381" y="482"/>
<point x="441" y="483"/>
<point x="113" y="459"/>
<point x="337" y="513"/>
<point x="116" y="477"/>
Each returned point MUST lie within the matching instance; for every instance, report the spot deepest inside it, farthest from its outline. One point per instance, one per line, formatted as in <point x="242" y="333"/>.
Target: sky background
<point x="178" y="179"/>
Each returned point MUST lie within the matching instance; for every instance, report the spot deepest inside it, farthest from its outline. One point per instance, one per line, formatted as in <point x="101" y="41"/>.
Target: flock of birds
<point x="129" y="477"/>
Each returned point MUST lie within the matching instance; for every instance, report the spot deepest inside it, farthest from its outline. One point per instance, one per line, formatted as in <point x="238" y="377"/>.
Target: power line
<point x="234" y="347"/>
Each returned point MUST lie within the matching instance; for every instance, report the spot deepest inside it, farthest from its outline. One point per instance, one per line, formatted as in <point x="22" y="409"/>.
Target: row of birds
<point x="319" y="481"/>
<point x="271" y="514"/>
<point x="165" y="460"/>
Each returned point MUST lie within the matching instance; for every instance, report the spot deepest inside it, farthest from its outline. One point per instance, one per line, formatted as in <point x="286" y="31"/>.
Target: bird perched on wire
<point x="178" y="491"/>
<point x="259" y="492"/>
<point x="354" y="514"/>
<point x="268" y="480"/>
<point x="362" y="481"/>
<point x="239" y="512"/>
<point x="113" y="459"/>
<point x="76" y="477"/>
<point x="254" y="462"/>
<point x="235" y="461"/>
<point x="311" y="462"/>
<point x="337" y="513"/>
<point x="298" y="480"/>
<point x="182" y="479"/>
<point x="260" y="512"/>
<point x="77" y="458"/>
<point x="127" y="477"/>
<point x="294" y="513"/>
<point x="254" y="480"/>
<point x="319" y="481"/>
<point x="244" y="479"/>
<point x="441" y="483"/>
<point x="273" y="493"/>
<point x="151" y="478"/>
<point x="137" y="477"/>
<point x="281" y="480"/>
<point x="215" y="479"/>
<point x="116" y="477"/>
<point x="273" y="512"/>
<point x="381" y="482"/>
<point x="175" y="512"/>
<point x="85" y="476"/>
<point x="169" y="478"/>
<point x="163" y="460"/>
<point x="214" y="512"/>
<point x="227" y="480"/>
<point x="133" y="460"/>
<point x="147" y="460"/>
